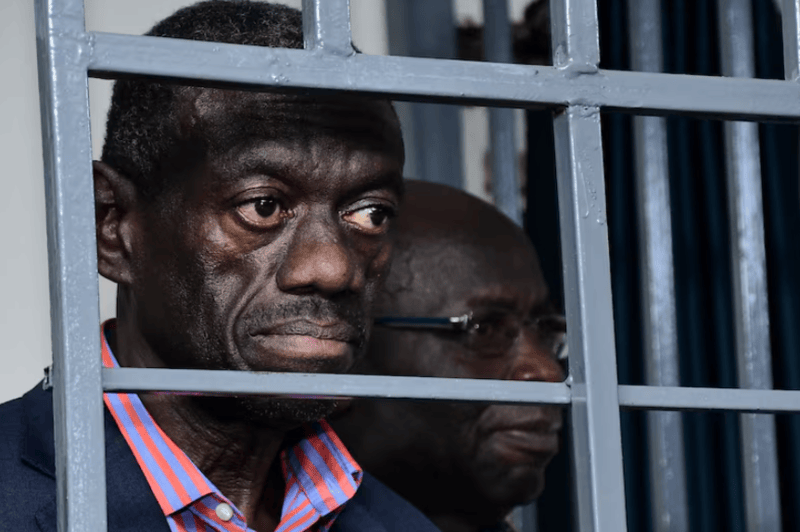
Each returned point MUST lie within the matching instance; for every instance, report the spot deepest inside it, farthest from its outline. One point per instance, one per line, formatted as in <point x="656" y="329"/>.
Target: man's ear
<point x="115" y="199"/>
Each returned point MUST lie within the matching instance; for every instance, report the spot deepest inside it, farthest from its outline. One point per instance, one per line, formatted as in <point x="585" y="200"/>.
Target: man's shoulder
<point x="24" y="483"/>
<point x="376" y="508"/>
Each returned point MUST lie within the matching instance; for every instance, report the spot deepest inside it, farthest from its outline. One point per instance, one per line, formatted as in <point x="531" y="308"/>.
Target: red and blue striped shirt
<point x="319" y="473"/>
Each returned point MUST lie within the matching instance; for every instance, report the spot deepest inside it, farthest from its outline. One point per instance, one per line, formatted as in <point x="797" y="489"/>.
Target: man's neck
<point x="240" y="458"/>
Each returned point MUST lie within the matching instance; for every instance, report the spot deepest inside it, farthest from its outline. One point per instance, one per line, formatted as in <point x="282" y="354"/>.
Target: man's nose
<point x="534" y="361"/>
<point x="319" y="259"/>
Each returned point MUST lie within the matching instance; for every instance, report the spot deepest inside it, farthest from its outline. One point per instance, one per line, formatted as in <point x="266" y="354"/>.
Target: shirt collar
<point x="317" y="467"/>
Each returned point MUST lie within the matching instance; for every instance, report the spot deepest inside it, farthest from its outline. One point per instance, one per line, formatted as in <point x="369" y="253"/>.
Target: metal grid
<point x="574" y="87"/>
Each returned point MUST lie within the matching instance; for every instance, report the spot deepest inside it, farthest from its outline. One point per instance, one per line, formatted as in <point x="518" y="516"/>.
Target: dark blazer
<point x="28" y="488"/>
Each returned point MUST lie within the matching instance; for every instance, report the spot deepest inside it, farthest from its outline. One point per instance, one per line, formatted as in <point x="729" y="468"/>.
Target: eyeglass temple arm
<point x="449" y="324"/>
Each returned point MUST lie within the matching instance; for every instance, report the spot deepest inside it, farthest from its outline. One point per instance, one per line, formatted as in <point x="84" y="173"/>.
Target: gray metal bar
<point x="502" y="143"/>
<point x="597" y="443"/>
<point x="791" y="38"/>
<point x="664" y="429"/>
<point x="231" y="382"/>
<point x="471" y="390"/>
<point x="326" y="26"/>
<point x="748" y="264"/>
<point x="421" y="79"/>
<point x="706" y="399"/>
<point x="72" y="252"/>
<point x="431" y="132"/>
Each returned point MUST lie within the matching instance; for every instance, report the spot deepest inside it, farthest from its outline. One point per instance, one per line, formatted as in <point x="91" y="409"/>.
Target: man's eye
<point x="263" y="213"/>
<point x="372" y="219"/>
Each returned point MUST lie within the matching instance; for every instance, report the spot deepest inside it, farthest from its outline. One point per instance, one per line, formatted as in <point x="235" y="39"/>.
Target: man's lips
<point x="335" y="330"/>
<point x="527" y="442"/>
<point x="303" y="339"/>
<point x="538" y="435"/>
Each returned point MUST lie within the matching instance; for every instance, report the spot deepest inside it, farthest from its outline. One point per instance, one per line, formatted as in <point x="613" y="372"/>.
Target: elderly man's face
<point x="480" y="456"/>
<point x="267" y="253"/>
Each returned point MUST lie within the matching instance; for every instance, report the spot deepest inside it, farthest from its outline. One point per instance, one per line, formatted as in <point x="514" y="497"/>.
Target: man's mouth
<point x="309" y="340"/>
<point x="534" y="436"/>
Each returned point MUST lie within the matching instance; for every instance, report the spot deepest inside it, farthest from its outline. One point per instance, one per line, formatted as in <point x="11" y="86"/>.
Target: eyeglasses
<point x="490" y="334"/>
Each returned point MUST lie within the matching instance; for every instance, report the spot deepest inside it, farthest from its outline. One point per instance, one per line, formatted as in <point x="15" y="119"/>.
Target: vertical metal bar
<point x="791" y="38"/>
<point x="502" y="143"/>
<point x="74" y="313"/>
<point x="759" y="447"/>
<point x="597" y="443"/>
<point x="665" y="429"/>
<point x="431" y="132"/>
<point x="326" y="26"/>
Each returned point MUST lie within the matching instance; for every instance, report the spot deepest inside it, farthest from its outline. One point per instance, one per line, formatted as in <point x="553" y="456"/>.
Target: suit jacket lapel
<point x="131" y="505"/>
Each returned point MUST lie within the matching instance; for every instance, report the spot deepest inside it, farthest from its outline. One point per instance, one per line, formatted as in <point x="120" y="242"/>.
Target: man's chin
<point x="280" y="413"/>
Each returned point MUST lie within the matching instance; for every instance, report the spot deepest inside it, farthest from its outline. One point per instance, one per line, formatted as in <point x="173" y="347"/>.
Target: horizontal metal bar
<point x="725" y="399"/>
<point x="312" y="384"/>
<point x="421" y="79"/>
<point x="438" y="389"/>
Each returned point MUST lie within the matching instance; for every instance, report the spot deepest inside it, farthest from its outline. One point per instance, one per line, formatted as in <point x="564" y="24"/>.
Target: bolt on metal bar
<point x="439" y="80"/>
<point x="502" y="143"/>
<point x="326" y="26"/>
<point x="748" y="264"/>
<point x="74" y="307"/>
<point x="318" y="384"/>
<point x="597" y="442"/>
<point x="708" y="399"/>
<point x="790" y="13"/>
<point x="664" y="429"/>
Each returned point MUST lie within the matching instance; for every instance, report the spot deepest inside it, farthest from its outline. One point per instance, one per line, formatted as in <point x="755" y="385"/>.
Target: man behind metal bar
<point x="464" y="298"/>
<point x="246" y="231"/>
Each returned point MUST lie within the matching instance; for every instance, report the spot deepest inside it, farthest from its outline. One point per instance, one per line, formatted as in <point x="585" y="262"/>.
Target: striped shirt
<point x="319" y="473"/>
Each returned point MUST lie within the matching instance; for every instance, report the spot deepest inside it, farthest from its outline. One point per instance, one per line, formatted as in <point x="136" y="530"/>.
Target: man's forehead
<point x="226" y="118"/>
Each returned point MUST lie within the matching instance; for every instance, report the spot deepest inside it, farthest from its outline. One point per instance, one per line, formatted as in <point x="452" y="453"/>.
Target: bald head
<point x="464" y="465"/>
<point x="447" y="241"/>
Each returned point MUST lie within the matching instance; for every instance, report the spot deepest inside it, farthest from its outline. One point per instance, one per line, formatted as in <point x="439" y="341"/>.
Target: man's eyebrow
<point x="493" y="300"/>
<point x="386" y="180"/>
<point x="511" y="303"/>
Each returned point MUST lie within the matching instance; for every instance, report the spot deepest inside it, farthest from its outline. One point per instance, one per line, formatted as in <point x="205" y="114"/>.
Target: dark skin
<point x="264" y="254"/>
<point x="464" y="465"/>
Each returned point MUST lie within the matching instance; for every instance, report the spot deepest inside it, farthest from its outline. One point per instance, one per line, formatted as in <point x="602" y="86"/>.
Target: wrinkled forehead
<point x="226" y="120"/>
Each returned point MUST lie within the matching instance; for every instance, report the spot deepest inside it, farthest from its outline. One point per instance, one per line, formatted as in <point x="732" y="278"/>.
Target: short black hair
<point x="142" y="124"/>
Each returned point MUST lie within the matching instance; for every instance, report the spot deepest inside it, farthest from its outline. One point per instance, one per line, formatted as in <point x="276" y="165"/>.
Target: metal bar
<point x="502" y="142"/>
<point x="664" y="429"/>
<point x="597" y="445"/>
<point x="596" y="437"/>
<point x="708" y="399"/>
<point x="74" y="307"/>
<point x="470" y="390"/>
<point x="421" y="79"/>
<point x="316" y="384"/>
<point x="748" y="265"/>
<point x="326" y="26"/>
<point x="791" y="38"/>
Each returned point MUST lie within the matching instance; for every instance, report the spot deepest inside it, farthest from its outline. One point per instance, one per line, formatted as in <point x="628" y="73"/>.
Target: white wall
<point x="24" y="293"/>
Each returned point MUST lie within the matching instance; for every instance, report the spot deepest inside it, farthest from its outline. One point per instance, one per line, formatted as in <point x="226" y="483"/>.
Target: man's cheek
<point x="379" y="263"/>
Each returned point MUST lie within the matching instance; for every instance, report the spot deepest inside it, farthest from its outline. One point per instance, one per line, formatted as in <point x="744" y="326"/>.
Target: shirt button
<point x="224" y="511"/>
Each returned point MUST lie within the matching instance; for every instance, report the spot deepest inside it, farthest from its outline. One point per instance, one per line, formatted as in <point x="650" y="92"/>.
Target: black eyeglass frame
<point x="463" y="323"/>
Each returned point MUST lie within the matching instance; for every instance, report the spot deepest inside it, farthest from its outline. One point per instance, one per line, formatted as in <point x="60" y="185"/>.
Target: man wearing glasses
<point x="465" y="297"/>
